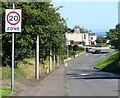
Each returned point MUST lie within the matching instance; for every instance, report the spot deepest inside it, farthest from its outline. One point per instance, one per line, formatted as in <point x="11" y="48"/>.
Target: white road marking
<point x="84" y="74"/>
<point x="104" y="54"/>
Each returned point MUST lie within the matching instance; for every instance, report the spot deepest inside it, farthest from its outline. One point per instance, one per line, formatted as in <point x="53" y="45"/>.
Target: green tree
<point x="38" y="18"/>
<point x="114" y="36"/>
<point x="83" y="43"/>
<point x="71" y="42"/>
<point x="100" y="39"/>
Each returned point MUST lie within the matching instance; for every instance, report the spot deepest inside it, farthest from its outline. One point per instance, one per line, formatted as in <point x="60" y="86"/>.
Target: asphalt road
<point x="83" y="80"/>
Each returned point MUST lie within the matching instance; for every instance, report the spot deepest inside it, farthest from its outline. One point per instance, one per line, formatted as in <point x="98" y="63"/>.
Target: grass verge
<point x="26" y="69"/>
<point x="111" y="63"/>
<point x="6" y="91"/>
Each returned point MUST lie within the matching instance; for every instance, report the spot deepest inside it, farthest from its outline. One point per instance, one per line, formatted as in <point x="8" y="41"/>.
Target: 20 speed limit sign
<point x="13" y="20"/>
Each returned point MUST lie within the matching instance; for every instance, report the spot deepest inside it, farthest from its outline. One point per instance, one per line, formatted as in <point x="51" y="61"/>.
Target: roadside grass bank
<point x="6" y="91"/>
<point x="26" y="69"/>
<point x="111" y="63"/>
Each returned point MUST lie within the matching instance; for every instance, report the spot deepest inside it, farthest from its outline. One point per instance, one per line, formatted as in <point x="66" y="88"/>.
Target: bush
<point x="81" y="48"/>
<point x="70" y="47"/>
<point x="64" y="56"/>
<point x="98" y="45"/>
<point x="75" y="48"/>
<point x="83" y="43"/>
<point x="71" y="53"/>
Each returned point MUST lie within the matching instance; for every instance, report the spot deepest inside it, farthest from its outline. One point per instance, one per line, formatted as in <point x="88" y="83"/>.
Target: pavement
<point x="52" y="85"/>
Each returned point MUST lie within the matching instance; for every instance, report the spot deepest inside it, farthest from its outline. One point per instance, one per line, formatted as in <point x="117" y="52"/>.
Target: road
<point x="83" y="80"/>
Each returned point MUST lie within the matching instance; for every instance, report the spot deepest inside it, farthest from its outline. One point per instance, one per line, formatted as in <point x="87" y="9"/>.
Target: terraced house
<point x="78" y="35"/>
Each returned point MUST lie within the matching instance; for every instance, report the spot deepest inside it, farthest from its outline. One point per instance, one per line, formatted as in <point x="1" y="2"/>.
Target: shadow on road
<point x="92" y="74"/>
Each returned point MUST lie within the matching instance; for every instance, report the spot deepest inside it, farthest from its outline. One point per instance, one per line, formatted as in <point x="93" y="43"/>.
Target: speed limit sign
<point x="13" y="20"/>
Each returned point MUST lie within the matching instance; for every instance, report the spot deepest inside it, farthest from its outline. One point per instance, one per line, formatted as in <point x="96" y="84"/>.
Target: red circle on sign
<point x="18" y="18"/>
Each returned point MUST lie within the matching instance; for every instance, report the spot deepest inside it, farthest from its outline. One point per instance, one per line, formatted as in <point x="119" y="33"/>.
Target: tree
<point x="71" y="42"/>
<point x="70" y="47"/>
<point x="114" y="36"/>
<point x="83" y="43"/>
<point x="100" y="39"/>
<point x="38" y="18"/>
<point x="75" y="48"/>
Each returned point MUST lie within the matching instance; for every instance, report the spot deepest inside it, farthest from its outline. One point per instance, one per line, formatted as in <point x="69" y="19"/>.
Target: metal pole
<point x="12" y="70"/>
<point x="37" y="58"/>
<point x="54" y="60"/>
<point x="67" y="52"/>
<point x="58" y="61"/>
<point x="50" y="60"/>
<point x="66" y="64"/>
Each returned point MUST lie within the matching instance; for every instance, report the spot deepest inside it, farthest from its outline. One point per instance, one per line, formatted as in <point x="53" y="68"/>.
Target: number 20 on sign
<point x="13" y="20"/>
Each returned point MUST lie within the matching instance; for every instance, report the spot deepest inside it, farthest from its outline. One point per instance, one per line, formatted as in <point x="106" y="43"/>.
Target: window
<point x="76" y="42"/>
<point x="84" y="36"/>
<point x="91" y="38"/>
<point x="80" y="42"/>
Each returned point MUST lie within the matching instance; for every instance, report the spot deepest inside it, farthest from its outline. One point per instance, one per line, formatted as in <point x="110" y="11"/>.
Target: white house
<point x="78" y="35"/>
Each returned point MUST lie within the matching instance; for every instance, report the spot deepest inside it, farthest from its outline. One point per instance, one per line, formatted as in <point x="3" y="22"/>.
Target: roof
<point x="82" y="30"/>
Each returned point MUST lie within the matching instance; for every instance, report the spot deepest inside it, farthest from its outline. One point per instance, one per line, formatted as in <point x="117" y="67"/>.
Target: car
<point x="97" y="51"/>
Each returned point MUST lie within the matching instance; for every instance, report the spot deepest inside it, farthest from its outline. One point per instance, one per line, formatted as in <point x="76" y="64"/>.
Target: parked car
<point x="97" y="51"/>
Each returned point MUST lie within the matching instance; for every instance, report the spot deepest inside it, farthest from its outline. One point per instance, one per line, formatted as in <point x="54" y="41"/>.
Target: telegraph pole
<point x="50" y="60"/>
<point x="37" y="58"/>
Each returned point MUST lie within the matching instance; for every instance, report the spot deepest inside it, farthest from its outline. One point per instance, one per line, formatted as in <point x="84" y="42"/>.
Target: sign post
<point x="13" y="24"/>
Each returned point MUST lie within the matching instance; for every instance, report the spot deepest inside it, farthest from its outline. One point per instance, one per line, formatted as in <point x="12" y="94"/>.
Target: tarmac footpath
<point x="52" y="85"/>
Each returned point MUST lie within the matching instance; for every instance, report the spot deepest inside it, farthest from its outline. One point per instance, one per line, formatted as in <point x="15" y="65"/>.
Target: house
<point x="78" y="35"/>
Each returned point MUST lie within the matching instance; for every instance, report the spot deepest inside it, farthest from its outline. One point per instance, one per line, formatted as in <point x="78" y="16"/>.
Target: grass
<point x="6" y="91"/>
<point x="26" y="69"/>
<point x="110" y="63"/>
<point x="104" y="45"/>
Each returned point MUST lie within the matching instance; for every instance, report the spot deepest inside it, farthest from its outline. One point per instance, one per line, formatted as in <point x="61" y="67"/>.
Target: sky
<point x="96" y="16"/>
